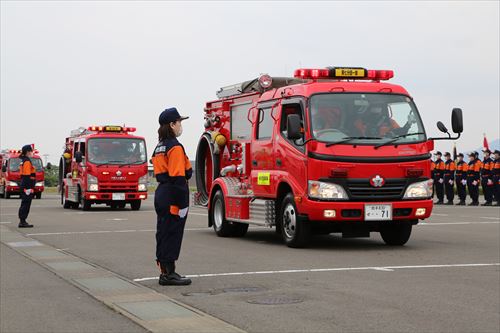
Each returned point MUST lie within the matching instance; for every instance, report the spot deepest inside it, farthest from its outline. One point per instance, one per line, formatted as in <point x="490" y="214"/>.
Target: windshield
<point x="365" y="118"/>
<point x="116" y="151"/>
<point x="15" y="162"/>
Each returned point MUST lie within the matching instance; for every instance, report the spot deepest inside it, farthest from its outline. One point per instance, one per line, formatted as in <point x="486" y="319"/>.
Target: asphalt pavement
<point x="446" y="279"/>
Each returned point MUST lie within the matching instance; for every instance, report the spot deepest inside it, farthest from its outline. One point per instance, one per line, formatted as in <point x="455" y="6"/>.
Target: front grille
<point x="360" y="189"/>
<point x="117" y="188"/>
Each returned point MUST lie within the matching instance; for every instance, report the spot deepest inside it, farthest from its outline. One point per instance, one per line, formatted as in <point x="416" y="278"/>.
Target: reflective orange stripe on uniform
<point x="176" y="162"/>
<point x="477" y="166"/>
<point x="27" y="169"/>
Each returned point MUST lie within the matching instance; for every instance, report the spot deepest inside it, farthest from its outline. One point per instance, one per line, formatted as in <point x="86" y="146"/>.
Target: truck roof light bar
<point x="352" y="73"/>
<point x="119" y="129"/>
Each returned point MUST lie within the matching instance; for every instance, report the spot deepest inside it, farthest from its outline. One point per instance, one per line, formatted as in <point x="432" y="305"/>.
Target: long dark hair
<point x="165" y="132"/>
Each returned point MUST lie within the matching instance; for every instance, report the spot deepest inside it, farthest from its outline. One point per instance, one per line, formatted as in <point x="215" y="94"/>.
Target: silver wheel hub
<point x="289" y="221"/>
<point x="218" y="211"/>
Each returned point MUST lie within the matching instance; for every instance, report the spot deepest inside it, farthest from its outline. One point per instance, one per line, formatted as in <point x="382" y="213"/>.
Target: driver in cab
<point x="376" y="122"/>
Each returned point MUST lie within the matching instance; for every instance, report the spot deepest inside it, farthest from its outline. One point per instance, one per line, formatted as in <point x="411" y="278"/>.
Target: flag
<point x="454" y="151"/>
<point x="485" y="142"/>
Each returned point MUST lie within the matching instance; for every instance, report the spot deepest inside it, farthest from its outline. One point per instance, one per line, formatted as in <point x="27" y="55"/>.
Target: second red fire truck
<point x="10" y="177"/>
<point x="328" y="150"/>
<point x="103" y="165"/>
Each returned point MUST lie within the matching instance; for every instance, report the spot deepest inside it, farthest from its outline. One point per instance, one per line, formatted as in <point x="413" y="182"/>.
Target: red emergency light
<point x="353" y="73"/>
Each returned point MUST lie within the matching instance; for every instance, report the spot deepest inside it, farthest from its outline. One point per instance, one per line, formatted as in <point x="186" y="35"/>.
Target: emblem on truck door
<point x="118" y="173"/>
<point x="377" y="181"/>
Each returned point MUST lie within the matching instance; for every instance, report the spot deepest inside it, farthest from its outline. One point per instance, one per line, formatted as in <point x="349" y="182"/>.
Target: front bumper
<point x="108" y="196"/>
<point x="17" y="190"/>
<point x="354" y="211"/>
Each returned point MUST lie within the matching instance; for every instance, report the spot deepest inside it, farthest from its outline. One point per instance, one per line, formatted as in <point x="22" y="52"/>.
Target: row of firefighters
<point x="467" y="177"/>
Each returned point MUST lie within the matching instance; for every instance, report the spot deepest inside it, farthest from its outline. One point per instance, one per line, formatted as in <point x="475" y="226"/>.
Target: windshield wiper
<point x="396" y="138"/>
<point x="131" y="163"/>
<point x="350" y="138"/>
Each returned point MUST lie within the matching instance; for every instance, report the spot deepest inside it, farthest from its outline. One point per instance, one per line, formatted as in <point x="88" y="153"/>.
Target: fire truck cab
<point x="103" y="165"/>
<point x="328" y="150"/>
<point x="10" y="177"/>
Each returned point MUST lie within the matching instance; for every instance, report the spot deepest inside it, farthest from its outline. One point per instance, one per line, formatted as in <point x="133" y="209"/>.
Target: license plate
<point x="378" y="212"/>
<point x="118" y="196"/>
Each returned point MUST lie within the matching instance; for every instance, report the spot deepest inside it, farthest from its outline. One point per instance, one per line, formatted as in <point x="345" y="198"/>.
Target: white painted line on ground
<point x="116" y="219"/>
<point x="437" y="214"/>
<point x="6" y="222"/>
<point x="105" y="232"/>
<point x="489" y="218"/>
<point x="9" y="214"/>
<point x="315" y="270"/>
<point x="455" y="223"/>
<point x="198" y="214"/>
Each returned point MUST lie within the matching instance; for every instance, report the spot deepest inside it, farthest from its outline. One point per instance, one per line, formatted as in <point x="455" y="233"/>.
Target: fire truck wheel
<point x="218" y="216"/>
<point x="7" y="195"/>
<point x="296" y="232"/>
<point x="38" y="195"/>
<point x="135" y="205"/>
<point x="396" y="234"/>
<point x="66" y="204"/>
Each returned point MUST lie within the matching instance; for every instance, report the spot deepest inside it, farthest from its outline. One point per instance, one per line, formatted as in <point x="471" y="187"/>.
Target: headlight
<point x="92" y="183"/>
<point x="143" y="183"/>
<point x="39" y="184"/>
<point x="420" y="190"/>
<point x="11" y="183"/>
<point x="320" y="190"/>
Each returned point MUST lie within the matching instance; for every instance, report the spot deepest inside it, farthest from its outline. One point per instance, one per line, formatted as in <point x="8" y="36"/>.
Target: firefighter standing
<point x="496" y="177"/>
<point x="439" y="168"/>
<point x="449" y="178"/>
<point x="461" y="179"/>
<point x="27" y="185"/>
<point x="172" y="170"/>
<point x="433" y="166"/>
<point x="473" y="178"/>
<point x="487" y="178"/>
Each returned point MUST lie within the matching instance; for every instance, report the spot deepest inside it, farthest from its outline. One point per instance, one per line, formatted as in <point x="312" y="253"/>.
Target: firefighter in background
<point x="27" y="185"/>
<point x="461" y="179"/>
<point x="449" y="178"/>
<point x="487" y="178"/>
<point x="474" y="178"/>
<point x="172" y="170"/>
<point x="438" y="178"/>
<point x="496" y="177"/>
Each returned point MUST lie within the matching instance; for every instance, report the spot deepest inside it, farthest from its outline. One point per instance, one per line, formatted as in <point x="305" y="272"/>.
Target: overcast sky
<point x="69" y="64"/>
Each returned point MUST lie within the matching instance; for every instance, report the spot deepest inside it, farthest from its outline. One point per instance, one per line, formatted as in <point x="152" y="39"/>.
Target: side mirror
<point x="49" y="166"/>
<point x="293" y="127"/>
<point x="4" y="168"/>
<point x="78" y="157"/>
<point x="457" y="123"/>
<point x="441" y="127"/>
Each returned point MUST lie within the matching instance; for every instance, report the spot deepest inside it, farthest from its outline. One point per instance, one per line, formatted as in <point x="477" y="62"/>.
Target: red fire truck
<point x="103" y="165"/>
<point x="328" y="150"/>
<point x="10" y="177"/>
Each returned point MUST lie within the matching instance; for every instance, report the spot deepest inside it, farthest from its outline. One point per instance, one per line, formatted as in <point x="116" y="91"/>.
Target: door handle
<point x="254" y="162"/>
<point x="278" y="162"/>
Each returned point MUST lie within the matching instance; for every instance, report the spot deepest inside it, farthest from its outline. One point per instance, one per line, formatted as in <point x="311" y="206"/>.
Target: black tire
<point x="85" y="204"/>
<point x="2" y="194"/>
<point x="239" y="229"/>
<point x="217" y="216"/>
<point x="396" y="233"/>
<point x="135" y="205"/>
<point x="296" y="231"/>
<point x="7" y="195"/>
<point x="38" y="195"/>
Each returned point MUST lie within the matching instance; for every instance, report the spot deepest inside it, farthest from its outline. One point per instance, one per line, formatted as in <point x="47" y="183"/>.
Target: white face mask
<point x="179" y="133"/>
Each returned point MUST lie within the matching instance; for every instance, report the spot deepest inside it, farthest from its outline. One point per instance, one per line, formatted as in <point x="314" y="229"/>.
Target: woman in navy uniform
<point x="172" y="170"/>
<point x="27" y="185"/>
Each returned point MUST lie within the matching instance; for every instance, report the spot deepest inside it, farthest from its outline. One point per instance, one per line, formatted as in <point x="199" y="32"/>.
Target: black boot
<point x="439" y="202"/>
<point x="487" y="203"/>
<point x="449" y="203"/>
<point x="24" y="224"/>
<point x="169" y="277"/>
<point x="461" y="203"/>
<point x="474" y="203"/>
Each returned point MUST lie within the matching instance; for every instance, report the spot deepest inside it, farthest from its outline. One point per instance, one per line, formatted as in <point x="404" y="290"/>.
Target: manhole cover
<point x="242" y="290"/>
<point x="276" y="300"/>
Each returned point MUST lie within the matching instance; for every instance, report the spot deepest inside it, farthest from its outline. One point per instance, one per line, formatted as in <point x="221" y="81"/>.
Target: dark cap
<point x="26" y="148"/>
<point x="496" y="152"/>
<point x="170" y="115"/>
<point x="460" y="155"/>
<point x="472" y="154"/>
<point x="438" y="153"/>
<point x="447" y="153"/>
<point x="487" y="151"/>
